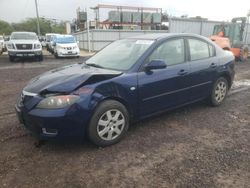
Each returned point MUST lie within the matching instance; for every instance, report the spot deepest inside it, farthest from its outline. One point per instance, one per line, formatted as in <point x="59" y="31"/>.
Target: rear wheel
<point x="219" y="91"/>
<point x="244" y="53"/>
<point x="108" y="124"/>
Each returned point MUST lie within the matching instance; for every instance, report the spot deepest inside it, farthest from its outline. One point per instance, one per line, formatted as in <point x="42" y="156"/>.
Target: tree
<point x="5" y="28"/>
<point x="46" y="26"/>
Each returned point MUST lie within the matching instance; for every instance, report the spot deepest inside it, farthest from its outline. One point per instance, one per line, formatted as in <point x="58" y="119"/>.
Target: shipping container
<point x="146" y="17"/>
<point x="136" y="17"/>
<point x="82" y="16"/>
<point x="114" y="16"/>
<point x="127" y="17"/>
<point x="156" y="17"/>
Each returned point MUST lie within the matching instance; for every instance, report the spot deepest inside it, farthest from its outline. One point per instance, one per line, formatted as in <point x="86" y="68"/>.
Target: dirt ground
<point x="195" y="146"/>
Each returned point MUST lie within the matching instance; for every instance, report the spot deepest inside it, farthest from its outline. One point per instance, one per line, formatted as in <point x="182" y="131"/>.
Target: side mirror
<point x="156" y="64"/>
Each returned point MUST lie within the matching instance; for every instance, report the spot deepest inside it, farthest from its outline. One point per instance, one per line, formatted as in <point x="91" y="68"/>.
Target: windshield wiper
<point x="94" y="65"/>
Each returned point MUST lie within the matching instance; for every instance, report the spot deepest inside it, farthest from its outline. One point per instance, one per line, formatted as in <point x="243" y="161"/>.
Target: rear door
<point x="165" y="88"/>
<point x="203" y="66"/>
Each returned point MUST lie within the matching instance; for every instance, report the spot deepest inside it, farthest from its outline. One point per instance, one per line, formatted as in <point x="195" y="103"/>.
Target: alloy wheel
<point x="220" y="91"/>
<point x="111" y="124"/>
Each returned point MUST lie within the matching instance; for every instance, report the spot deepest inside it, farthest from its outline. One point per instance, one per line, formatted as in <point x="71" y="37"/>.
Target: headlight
<point x="56" y="102"/>
<point x="10" y="46"/>
<point x="37" y="46"/>
<point x="60" y="47"/>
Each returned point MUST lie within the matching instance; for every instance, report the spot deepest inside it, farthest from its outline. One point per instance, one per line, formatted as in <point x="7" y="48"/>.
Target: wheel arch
<point x="227" y="77"/>
<point x="120" y="100"/>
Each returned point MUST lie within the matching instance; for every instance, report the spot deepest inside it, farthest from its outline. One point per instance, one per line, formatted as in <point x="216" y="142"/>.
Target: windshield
<point x="63" y="40"/>
<point x="24" y="36"/>
<point x="120" y="55"/>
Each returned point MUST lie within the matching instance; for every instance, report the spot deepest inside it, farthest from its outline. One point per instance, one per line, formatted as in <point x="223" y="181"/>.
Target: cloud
<point x="14" y="11"/>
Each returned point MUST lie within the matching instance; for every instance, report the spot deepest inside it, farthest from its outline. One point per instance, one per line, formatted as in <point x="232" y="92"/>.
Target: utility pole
<point x="88" y="33"/>
<point x="37" y="19"/>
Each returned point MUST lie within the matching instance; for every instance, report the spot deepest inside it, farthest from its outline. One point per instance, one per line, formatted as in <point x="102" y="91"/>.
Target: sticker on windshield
<point x="147" y="42"/>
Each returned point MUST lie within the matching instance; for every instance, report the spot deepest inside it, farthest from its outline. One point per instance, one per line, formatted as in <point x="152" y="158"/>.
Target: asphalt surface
<point x="195" y="146"/>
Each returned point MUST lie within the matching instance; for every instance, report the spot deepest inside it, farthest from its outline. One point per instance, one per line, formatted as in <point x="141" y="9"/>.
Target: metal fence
<point x="100" y="38"/>
<point x="97" y="39"/>
<point x="201" y="27"/>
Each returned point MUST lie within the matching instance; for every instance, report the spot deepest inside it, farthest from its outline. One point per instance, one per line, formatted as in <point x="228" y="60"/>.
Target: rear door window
<point x="198" y="49"/>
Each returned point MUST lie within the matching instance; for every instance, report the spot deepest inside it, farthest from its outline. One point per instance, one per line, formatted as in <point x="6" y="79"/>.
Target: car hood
<point x="69" y="78"/>
<point x="65" y="45"/>
<point x="24" y="41"/>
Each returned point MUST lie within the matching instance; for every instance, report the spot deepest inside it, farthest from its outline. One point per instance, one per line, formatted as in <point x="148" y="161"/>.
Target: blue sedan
<point x="127" y="81"/>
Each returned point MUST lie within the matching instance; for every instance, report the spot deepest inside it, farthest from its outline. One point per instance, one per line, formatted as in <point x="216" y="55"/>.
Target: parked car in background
<point x="2" y="44"/>
<point x="49" y="41"/>
<point x="42" y="40"/>
<point x="65" y="46"/>
<point x="128" y="80"/>
<point x="24" y="44"/>
<point x="1" y="48"/>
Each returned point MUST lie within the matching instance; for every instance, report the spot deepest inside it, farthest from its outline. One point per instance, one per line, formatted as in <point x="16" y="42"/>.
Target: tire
<point x="56" y="56"/>
<point x="108" y="124"/>
<point x="219" y="92"/>
<point x="244" y="53"/>
<point x="11" y="58"/>
<point x="40" y="58"/>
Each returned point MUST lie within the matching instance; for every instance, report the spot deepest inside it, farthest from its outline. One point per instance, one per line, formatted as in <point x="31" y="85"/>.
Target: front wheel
<point x="11" y="58"/>
<point x="40" y="58"/>
<point x="56" y="55"/>
<point x="108" y="124"/>
<point x="219" y="91"/>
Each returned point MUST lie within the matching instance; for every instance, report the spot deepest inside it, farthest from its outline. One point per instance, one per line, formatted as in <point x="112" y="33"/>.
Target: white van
<point x="49" y="38"/>
<point x="66" y="46"/>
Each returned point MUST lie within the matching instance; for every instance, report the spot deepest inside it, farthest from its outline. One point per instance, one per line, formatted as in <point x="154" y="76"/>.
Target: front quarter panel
<point x="122" y="88"/>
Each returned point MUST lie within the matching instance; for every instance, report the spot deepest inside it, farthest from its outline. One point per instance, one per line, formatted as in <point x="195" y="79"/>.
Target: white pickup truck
<point x="23" y="45"/>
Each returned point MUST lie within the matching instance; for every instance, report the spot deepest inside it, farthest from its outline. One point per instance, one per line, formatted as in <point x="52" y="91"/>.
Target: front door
<point x="164" y="88"/>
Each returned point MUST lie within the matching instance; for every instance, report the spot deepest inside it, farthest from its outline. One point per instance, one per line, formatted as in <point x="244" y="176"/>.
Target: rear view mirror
<point x="156" y="64"/>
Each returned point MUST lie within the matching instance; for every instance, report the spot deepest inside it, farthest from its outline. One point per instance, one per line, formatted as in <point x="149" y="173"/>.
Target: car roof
<point x="23" y="32"/>
<point x="64" y="36"/>
<point x="158" y="36"/>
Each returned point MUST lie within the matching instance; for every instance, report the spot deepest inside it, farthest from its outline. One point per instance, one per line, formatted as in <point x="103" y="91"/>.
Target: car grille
<point x="24" y="46"/>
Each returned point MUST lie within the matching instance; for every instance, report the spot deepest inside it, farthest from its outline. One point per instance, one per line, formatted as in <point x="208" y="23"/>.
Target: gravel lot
<point x="195" y="146"/>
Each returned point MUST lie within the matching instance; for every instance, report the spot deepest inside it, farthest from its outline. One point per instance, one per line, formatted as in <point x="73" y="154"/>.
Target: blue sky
<point x="17" y="10"/>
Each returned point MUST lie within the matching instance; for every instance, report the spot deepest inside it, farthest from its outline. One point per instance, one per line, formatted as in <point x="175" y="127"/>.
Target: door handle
<point x="182" y="72"/>
<point x="213" y="65"/>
